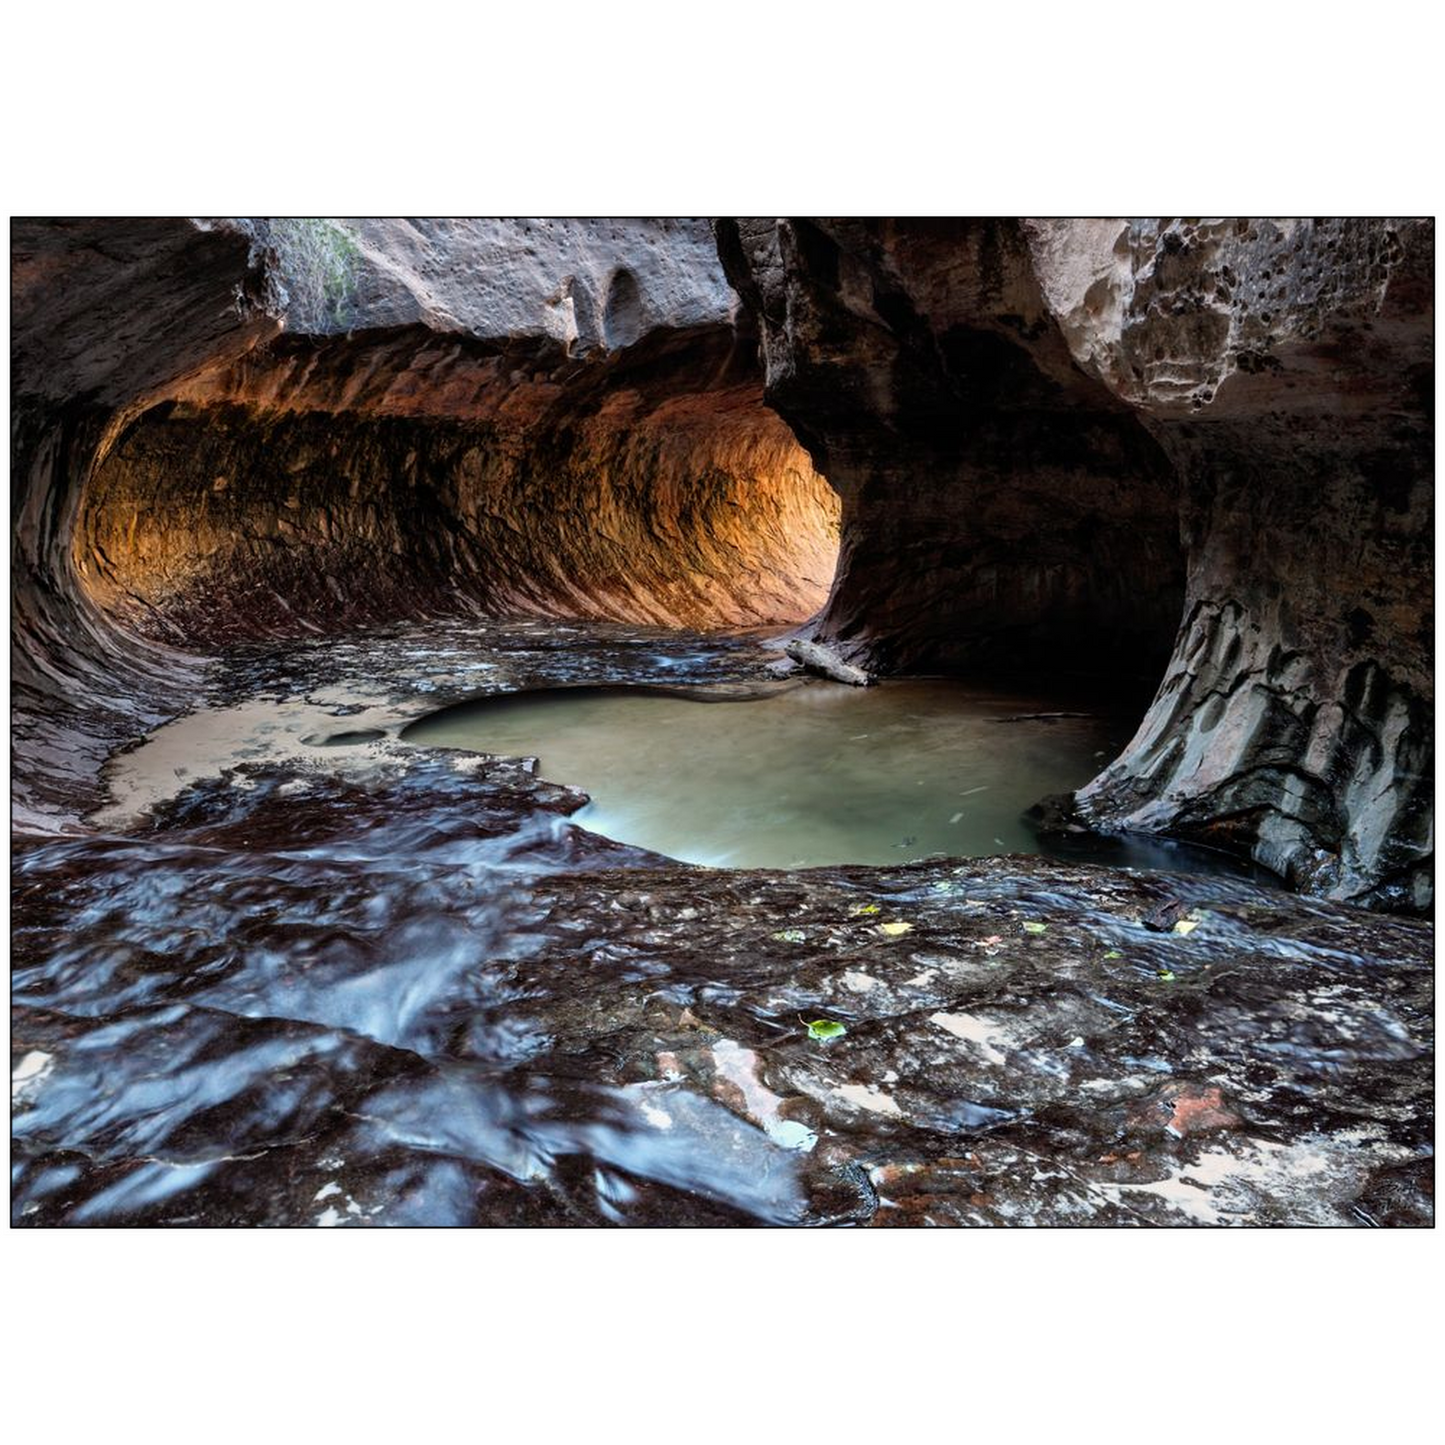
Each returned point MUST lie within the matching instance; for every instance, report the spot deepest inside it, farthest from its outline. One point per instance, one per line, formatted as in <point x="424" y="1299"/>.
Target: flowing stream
<point x="372" y="983"/>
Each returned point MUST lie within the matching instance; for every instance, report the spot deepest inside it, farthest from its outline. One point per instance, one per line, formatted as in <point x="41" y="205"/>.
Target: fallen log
<point x="817" y="658"/>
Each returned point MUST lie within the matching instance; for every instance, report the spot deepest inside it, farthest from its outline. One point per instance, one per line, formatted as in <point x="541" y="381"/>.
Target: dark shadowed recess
<point x="1197" y="449"/>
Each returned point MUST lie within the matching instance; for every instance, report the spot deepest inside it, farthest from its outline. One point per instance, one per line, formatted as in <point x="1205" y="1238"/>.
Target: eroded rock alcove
<point x="459" y="417"/>
<point x="1066" y="428"/>
<point x="658" y="489"/>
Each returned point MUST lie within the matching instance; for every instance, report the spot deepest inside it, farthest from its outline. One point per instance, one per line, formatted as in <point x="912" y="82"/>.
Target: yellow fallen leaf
<point x="894" y="929"/>
<point x="1186" y="925"/>
<point x="868" y="908"/>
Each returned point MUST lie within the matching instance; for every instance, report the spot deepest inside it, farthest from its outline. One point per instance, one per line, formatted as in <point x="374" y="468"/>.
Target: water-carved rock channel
<point x="419" y="821"/>
<point x="400" y="984"/>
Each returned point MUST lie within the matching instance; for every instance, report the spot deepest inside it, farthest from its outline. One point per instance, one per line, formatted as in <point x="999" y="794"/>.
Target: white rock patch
<point x="867" y="1096"/>
<point x="28" y="1075"/>
<point x="973" y="1030"/>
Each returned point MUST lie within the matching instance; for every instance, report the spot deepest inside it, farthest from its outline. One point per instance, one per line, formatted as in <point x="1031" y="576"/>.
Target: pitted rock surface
<point x="578" y="284"/>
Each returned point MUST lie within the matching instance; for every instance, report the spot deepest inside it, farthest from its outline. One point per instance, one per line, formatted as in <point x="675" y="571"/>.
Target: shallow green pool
<point x="819" y="773"/>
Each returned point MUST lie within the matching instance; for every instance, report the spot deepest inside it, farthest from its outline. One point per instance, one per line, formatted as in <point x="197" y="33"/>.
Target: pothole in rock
<point x="810" y="775"/>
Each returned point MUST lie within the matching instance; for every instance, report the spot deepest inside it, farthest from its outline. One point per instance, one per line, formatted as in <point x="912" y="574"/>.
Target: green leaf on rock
<point x="1166" y="976"/>
<point x="1036" y="927"/>
<point x="791" y="935"/>
<point x="868" y="908"/>
<point x="1113" y="953"/>
<point x="825" y="1029"/>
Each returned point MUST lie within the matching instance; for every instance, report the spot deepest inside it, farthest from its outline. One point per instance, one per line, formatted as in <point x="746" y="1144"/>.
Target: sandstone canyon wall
<point x="1065" y="426"/>
<point x="236" y="429"/>
<point x="1195" y="451"/>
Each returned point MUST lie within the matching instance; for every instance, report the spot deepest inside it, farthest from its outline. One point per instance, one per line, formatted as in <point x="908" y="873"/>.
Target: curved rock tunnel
<point x="663" y="492"/>
<point x="1193" y="454"/>
<point x="190" y="475"/>
<point x="1035" y="430"/>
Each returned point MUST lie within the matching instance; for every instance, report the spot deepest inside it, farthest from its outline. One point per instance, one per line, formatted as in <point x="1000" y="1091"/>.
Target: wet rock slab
<point x="419" y="995"/>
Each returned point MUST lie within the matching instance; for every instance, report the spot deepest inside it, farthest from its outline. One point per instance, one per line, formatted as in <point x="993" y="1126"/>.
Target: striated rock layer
<point x="260" y="501"/>
<point x="1047" y="433"/>
<point x="271" y="428"/>
<point x="1195" y="450"/>
<point x="106" y="318"/>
